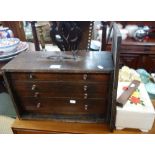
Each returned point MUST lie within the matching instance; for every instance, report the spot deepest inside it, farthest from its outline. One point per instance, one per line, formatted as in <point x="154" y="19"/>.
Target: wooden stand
<point x="53" y="127"/>
<point x="38" y="127"/>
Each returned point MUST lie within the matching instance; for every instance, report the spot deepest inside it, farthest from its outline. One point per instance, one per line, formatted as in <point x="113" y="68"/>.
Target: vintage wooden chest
<point x="61" y="85"/>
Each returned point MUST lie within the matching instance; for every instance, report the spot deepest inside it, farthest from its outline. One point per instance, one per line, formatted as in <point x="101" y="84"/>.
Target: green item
<point x="150" y="87"/>
<point x="144" y="75"/>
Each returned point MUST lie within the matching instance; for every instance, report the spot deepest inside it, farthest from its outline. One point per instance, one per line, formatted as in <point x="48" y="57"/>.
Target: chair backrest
<point x="35" y="37"/>
<point x="71" y="35"/>
<point x="104" y="36"/>
<point x="116" y="44"/>
<point x="79" y="36"/>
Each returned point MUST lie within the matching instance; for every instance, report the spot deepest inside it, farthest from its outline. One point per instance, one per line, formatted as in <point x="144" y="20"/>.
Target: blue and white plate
<point x="8" y="45"/>
<point x="23" y="46"/>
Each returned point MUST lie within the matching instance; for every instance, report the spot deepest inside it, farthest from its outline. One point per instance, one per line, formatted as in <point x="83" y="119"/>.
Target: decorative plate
<point x="21" y="47"/>
<point x="7" y="58"/>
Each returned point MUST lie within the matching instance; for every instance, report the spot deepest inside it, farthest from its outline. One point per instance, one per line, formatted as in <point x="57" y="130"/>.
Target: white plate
<point x="7" y="58"/>
<point x="21" y="47"/>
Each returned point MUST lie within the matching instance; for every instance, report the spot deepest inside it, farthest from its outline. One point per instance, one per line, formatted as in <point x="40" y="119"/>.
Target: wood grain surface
<point x="39" y="127"/>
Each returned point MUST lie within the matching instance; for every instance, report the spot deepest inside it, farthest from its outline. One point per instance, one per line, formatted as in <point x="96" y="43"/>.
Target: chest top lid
<point x="82" y="61"/>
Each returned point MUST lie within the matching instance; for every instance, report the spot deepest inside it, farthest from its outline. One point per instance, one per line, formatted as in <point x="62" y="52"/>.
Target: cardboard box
<point x="138" y="112"/>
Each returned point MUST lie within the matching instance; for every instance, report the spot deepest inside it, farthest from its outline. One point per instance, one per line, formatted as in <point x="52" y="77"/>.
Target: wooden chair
<point x="35" y="37"/>
<point x="85" y="40"/>
<point x="72" y="35"/>
<point x="104" y="37"/>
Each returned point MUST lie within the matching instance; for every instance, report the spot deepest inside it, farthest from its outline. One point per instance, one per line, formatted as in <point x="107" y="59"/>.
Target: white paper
<point x="55" y="66"/>
<point x="132" y="85"/>
<point x="72" y="101"/>
<point x="100" y="67"/>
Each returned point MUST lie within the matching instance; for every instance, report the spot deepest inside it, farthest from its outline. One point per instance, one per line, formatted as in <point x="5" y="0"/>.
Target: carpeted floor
<point x="7" y="114"/>
<point x="6" y="106"/>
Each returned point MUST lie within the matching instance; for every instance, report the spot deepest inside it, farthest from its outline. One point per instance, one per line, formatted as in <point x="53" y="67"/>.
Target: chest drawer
<point x="64" y="106"/>
<point x="61" y="89"/>
<point x="59" y="76"/>
<point x="136" y="48"/>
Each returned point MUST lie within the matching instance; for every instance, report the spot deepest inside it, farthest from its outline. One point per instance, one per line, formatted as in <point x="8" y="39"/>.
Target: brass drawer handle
<point x="86" y="107"/>
<point x="38" y="105"/>
<point x="85" y="77"/>
<point x="33" y="87"/>
<point x="85" y="88"/>
<point x="36" y="94"/>
<point x="85" y="96"/>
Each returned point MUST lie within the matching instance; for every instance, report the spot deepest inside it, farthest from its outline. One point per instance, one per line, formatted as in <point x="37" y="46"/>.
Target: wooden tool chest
<point x="60" y="87"/>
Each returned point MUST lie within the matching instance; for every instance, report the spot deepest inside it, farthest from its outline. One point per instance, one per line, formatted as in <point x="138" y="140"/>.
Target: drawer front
<point x="64" y="106"/>
<point x="59" y="77"/>
<point x="137" y="48"/>
<point x="132" y="47"/>
<point x="61" y="89"/>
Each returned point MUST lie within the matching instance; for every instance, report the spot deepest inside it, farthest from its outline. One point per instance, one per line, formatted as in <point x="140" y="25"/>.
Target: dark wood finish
<point x="26" y="126"/>
<point x="35" y="36"/>
<point x="116" y="44"/>
<point x="104" y="28"/>
<point x="80" y="78"/>
<point x="84" y="42"/>
<point x="1" y="65"/>
<point x="53" y="127"/>
<point x="122" y="99"/>
<point x="137" y="54"/>
<point x="84" y="62"/>
<point x="61" y="89"/>
<point x="63" y="106"/>
<point x="56" y="127"/>
<point x="75" y="91"/>
<point x="44" y="76"/>
<point x="2" y="86"/>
